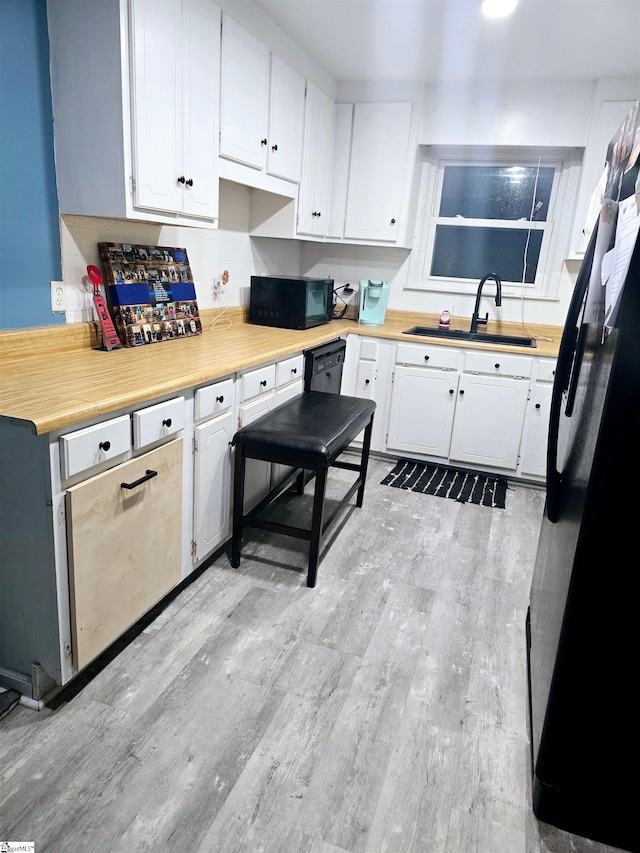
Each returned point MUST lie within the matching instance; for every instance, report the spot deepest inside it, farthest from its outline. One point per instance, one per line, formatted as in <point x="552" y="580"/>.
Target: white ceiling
<point x="449" y="40"/>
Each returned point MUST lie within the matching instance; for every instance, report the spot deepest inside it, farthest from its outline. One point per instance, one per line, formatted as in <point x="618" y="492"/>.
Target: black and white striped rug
<point x="445" y="482"/>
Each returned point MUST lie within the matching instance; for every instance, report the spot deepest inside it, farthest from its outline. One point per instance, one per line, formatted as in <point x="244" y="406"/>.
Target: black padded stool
<point x="309" y="433"/>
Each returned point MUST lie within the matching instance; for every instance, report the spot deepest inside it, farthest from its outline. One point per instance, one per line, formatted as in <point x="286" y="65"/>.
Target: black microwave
<point x="290" y="302"/>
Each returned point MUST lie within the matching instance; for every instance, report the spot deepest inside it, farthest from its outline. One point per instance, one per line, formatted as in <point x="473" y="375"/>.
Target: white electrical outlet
<point x="58" y="297"/>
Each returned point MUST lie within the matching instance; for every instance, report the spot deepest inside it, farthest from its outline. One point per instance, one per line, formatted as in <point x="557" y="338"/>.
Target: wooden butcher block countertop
<point x="54" y="376"/>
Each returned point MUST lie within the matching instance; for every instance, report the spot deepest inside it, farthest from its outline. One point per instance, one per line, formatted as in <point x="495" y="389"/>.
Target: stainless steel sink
<point x="484" y="337"/>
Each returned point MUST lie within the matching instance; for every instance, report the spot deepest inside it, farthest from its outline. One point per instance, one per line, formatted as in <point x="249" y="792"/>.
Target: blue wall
<point x="29" y="229"/>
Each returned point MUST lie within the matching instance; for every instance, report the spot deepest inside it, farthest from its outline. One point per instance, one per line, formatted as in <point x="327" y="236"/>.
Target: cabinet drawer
<point x="442" y="357"/>
<point x="157" y="422"/>
<point x="214" y="399"/>
<point x="88" y="447"/>
<point x="257" y="382"/>
<point x="497" y="364"/>
<point x="546" y="371"/>
<point x="289" y="369"/>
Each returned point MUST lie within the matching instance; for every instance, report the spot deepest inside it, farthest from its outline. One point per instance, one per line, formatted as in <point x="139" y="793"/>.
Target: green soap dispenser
<point x="373" y="301"/>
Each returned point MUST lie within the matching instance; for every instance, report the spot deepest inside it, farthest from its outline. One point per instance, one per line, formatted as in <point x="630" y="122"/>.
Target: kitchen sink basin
<point x="484" y="337"/>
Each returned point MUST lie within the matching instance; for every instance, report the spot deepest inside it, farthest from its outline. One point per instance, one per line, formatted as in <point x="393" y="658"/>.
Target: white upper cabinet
<point x="244" y="96"/>
<point x="175" y="83"/>
<point x="136" y="135"/>
<point x="377" y="171"/>
<point x="286" y="121"/>
<point x="313" y="199"/>
<point x="262" y="105"/>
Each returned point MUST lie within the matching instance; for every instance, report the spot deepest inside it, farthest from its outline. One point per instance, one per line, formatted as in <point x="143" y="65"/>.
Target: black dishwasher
<point x="323" y="367"/>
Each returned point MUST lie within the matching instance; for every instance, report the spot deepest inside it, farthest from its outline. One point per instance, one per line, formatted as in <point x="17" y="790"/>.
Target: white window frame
<point x="557" y="229"/>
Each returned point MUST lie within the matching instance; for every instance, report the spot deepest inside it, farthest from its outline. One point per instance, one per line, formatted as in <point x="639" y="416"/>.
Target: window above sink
<point x="504" y="210"/>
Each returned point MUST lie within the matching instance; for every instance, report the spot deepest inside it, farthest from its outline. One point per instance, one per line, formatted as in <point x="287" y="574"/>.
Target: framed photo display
<point x="150" y="292"/>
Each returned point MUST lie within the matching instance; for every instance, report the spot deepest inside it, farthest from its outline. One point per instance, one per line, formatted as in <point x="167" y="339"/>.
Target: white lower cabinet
<point x="262" y="390"/>
<point x="212" y="467"/>
<point x="422" y="409"/>
<point x="423" y="401"/>
<point x="490" y="409"/>
<point x="488" y="421"/>
<point x="368" y="373"/>
<point x="124" y="534"/>
<point x="533" y="461"/>
<point x="459" y="405"/>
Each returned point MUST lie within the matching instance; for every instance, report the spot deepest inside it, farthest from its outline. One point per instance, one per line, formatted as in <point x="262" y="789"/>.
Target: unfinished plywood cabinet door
<point x="124" y="546"/>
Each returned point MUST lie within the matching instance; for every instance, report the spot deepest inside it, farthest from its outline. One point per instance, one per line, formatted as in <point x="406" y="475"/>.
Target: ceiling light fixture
<point x="498" y="8"/>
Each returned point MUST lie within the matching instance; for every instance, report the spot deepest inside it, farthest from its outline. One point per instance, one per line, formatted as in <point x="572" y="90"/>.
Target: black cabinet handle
<point x="393" y="222"/>
<point x="497" y="365"/>
<point x="167" y="422"/>
<point x="148" y="476"/>
<point x="264" y="383"/>
<point x="189" y="182"/>
<point x="366" y="381"/>
<point x="220" y="399"/>
<point x="274" y="147"/>
<point x="537" y="405"/>
<point x="426" y="358"/>
<point x="462" y="393"/>
<point x="451" y="391"/>
<point x="105" y="445"/>
<point x="294" y="369"/>
<point x="263" y="141"/>
<point x="181" y="179"/>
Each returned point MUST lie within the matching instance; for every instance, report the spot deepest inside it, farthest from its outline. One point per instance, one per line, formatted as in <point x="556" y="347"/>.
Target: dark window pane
<point x="496" y="192"/>
<point x="463" y="252"/>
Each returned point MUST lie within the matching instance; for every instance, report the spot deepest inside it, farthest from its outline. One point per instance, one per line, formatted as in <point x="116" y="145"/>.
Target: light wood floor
<point x="384" y="710"/>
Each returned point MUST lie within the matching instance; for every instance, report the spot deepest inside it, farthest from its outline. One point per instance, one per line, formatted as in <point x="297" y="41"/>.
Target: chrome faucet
<point x="476" y="319"/>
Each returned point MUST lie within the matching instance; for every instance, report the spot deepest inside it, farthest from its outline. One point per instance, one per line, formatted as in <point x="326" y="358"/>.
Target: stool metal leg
<point x="238" y="502"/>
<point x="364" y="460"/>
<point x="316" y="526"/>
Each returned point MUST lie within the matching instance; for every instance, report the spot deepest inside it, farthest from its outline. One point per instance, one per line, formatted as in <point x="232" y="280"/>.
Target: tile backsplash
<point x="210" y="252"/>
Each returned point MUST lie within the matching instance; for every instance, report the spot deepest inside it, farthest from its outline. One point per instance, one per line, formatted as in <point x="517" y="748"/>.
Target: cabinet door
<point x="244" y="96"/>
<point x="423" y="403"/>
<point x="313" y="198"/>
<point x="534" y="451"/>
<point x="294" y="389"/>
<point x="156" y="34"/>
<point x="376" y="174"/>
<point x="489" y="419"/>
<point x="286" y="121"/>
<point x="212" y="484"/>
<point x="257" y="478"/>
<point x="201" y="58"/>
<point x="124" y="546"/>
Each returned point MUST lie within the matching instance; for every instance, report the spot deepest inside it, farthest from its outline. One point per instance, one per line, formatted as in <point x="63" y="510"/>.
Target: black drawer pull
<point x="426" y="358"/>
<point x="105" y="445"/>
<point x="148" y="476"/>
<point x="366" y="381"/>
<point x="451" y="391"/>
<point x="497" y="365"/>
<point x="220" y="399"/>
<point x="264" y="383"/>
<point x="462" y="393"/>
<point x="263" y="142"/>
<point x="294" y="369"/>
<point x="167" y="422"/>
<point x="537" y="405"/>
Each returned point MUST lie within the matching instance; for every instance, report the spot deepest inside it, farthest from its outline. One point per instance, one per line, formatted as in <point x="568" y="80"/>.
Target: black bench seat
<point x="308" y="433"/>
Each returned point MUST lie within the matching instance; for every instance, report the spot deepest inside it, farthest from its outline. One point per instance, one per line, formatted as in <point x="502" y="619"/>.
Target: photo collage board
<point x="150" y="292"/>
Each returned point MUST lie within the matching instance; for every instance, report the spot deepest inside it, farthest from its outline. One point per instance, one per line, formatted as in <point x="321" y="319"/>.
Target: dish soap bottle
<point x="445" y="319"/>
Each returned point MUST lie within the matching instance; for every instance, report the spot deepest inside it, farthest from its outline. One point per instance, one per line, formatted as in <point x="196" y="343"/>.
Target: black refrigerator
<point x="583" y="623"/>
